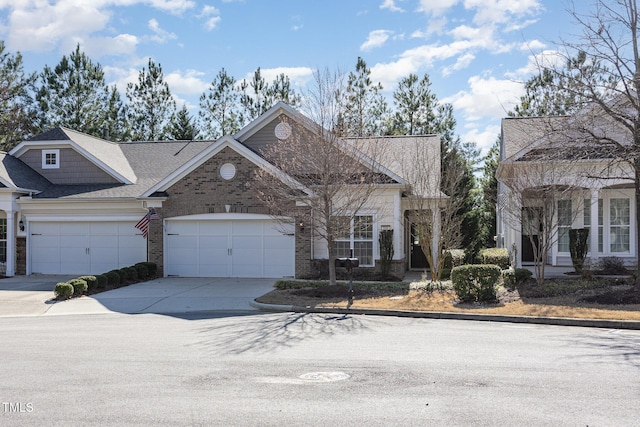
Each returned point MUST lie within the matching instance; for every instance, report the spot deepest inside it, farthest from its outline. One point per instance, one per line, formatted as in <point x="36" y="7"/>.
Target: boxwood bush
<point x="143" y="271"/>
<point x="152" y="268"/>
<point x="63" y="290"/>
<point x="92" y="282"/>
<point x="475" y="282"/>
<point x="113" y="277"/>
<point x="102" y="281"/>
<point x="132" y="274"/>
<point x="496" y="256"/>
<point x="79" y="286"/>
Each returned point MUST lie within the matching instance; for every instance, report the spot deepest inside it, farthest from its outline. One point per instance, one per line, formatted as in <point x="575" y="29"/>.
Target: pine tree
<point x="253" y="97"/>
<point x="365" y="107"/>
<point x="151" y="105"/>
<point x="416" y="107"/>
<point x="73" y="94"/>
<point x="17" y="109"/>
<point x="219" y="107"/>
<point x="182" y="127"/>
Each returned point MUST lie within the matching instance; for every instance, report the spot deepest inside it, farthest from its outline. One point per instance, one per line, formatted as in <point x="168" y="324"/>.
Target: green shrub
<point x="495" y="256"/>
<point x="132" y="274"/>
<point x="509" y="278"/>
<point x="453" y="258"/>
<point x="522" y="275"/>
<point x="475" y="282"/>
<point x="123" y="275"/>
<point x="79" y="286"/>
<point x="63" y="290"/>
<point x="92" y="282"/>
<point x="102" y="281"/>
<point x="113" y="278"/>
<point x="151" y="267"/>
<point x="578" y="245"/>
<point x="143" y="271"/>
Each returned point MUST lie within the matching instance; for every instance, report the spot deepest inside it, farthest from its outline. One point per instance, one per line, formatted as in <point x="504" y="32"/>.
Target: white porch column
<point x="397" y="226"/>
<point x="514" y="228"/>
<point x="593" y="236"/>
<point x="11" y="244"/>
<point x="435" y="216"/>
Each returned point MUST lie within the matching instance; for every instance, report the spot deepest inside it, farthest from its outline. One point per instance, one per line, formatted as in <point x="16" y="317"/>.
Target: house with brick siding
<point x="69" y="203"/>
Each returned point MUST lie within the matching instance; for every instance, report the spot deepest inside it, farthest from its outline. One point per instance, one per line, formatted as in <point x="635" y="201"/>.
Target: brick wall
<point x="203" y="191"/>
<point x="21" y="256"/>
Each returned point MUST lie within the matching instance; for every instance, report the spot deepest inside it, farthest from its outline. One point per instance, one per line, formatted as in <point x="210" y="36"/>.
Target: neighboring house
<point x="70" y="203"/>
<point x="554" y="166"/>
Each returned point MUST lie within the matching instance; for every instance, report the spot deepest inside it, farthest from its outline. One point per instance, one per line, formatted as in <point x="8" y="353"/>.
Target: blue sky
<point x="476" y="52"/>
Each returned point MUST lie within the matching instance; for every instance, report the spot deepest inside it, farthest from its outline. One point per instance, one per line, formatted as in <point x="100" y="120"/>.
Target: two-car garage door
<point x="84" y="247"/>
<point x="229" y="248"/>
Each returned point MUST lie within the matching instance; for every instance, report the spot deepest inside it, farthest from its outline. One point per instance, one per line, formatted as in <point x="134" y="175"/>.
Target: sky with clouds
<point x="477" y="53"/>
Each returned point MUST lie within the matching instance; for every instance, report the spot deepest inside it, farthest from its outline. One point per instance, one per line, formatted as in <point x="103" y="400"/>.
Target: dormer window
<point x="50" y="159"/>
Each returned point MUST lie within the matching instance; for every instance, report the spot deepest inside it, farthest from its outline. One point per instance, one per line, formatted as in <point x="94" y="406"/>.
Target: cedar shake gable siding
<point x="203" y="191"/>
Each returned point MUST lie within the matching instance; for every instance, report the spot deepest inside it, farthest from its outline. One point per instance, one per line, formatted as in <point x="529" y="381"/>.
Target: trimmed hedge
<point x="143" y="271"/>
<point x="79" y="286"/>
<point x="132" y="274"/>
<point x="113" y="277"/>
<point x="495" y="256"/>
<point x="152" y="268"/>
<point x="475" y="282"/>
<point x="102" y="281"/>
<point x="63" y="290"/>
<point x="92" y="282"/>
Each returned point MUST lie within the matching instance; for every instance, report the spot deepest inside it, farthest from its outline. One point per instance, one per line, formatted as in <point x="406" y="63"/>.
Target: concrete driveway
<point x="33" y="296"/>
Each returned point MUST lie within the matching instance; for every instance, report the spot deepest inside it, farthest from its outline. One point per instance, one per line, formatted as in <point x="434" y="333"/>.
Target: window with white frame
<point x="620" y="225"/>
<point x="50" y="159"/>
<point x="564" y="224"/>
<point x="356" y="234"/>
<point x="587" y="223"/>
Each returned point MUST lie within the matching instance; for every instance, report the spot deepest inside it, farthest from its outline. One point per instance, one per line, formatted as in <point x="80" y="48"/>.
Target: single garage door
<point x="229" y="248"/>
<point x="84" y="247"/>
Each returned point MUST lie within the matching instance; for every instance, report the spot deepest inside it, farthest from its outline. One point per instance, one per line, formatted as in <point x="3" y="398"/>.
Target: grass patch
<point x="559" y="287"/>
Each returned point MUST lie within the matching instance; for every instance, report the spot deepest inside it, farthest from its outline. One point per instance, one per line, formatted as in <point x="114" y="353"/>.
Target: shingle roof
<point x="14" y="173"/>
<point x="150" y="161"/>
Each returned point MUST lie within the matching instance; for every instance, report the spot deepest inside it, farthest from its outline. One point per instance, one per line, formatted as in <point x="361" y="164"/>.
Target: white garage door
<point x="229" y="248"/>
<point x="84" y="247"/>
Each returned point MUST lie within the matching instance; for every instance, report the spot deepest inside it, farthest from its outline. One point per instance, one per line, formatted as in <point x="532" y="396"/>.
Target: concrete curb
<point x="558" y="321"/>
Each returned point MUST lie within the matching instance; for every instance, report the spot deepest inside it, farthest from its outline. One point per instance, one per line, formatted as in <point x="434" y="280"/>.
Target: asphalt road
<point x="306" y="369"/>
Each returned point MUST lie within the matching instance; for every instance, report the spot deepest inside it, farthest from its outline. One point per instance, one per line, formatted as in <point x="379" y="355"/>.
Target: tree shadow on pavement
<point x="267" y="332"/>
<point x="620" y="347"/>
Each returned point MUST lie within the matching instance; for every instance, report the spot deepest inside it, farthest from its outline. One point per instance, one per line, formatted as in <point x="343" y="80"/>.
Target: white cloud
<point x="536" y="62"/>
<point x="160" y="35"/>
<point x="462" y="62"/>
<point x="188" y="82"/>
<point x="532" y="45"/>
<point x="172" y="6"/>
<point x="483" y="136"/>
<point x="391" y="5"/>
<point x="211" y="15"/>
<point x="377" y="38"/>
<point x="299" y="76"/>
<point x="436" y="7"/>
<point x="122" y="44"/>
<point x="486" y="98"/>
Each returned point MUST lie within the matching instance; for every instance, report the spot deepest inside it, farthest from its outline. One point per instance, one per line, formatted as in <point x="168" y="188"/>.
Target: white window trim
<point x="55" y="165"/>
<point x="606" y="195"/>
<point x="374" y="240"/>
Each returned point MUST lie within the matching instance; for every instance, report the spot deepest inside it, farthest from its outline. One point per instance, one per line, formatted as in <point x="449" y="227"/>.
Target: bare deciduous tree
<point x="338" y="179"/>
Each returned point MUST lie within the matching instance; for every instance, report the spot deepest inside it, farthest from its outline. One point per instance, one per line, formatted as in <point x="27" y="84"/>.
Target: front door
<point x="531" y="229"/>
<point x="418" y="261"/>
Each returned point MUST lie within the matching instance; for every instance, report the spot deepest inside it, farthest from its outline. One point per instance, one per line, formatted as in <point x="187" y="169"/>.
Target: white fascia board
<point x="273" y="112"/>
<point x="229" y="216"/>
<point x="25" y="146"/>
<point x="214" y="149"/>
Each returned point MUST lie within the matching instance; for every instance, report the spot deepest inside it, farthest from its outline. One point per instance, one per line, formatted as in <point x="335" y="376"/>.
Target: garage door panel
<point x="84" y="247"/>
<point x="237" y="248"/>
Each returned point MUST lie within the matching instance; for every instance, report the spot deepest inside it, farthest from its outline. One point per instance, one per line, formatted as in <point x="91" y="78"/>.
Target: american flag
<point x="143" y="224"/>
